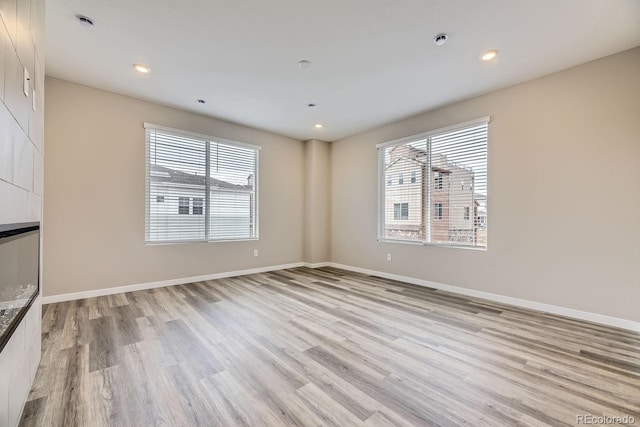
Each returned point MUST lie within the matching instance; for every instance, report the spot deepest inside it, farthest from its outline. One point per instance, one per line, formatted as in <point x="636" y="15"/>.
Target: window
<point x="183" y="205"/>
<point x="198" y="204"/>
<point x="437" y="180"/>
<point x="453" y="164"/>
<point x="389" y="180"/>
<point x="401" y="179"/>
<point x="159" y="199"/>
<point x="438" y="211"/>
<point x="400" y="211"/>
<point x="208" y="186"/>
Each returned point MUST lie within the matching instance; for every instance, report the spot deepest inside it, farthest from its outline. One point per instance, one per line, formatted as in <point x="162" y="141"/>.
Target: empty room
<point x="304" y="213"/>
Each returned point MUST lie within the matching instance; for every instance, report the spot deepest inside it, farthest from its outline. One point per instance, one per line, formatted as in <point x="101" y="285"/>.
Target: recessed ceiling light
<point x="440" y="39"/>
<point x="141" y="68"/>
<point x="318" y="126"/>
<point x="304" y="64"/>
<point x="488" y="55"/>
<point x="84" y="20"/>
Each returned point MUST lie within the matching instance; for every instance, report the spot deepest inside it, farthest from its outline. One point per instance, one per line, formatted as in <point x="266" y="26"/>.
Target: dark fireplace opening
<point x="19" y="274"/>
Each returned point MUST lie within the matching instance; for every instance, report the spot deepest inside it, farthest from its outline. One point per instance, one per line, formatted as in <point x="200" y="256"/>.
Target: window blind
<point x="199" y="188"/>
<point x="445" y="200"/>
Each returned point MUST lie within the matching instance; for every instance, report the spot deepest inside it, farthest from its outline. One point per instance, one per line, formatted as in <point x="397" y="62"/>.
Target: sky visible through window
<point x="235" y="166"/>
<point x="228" y="163"/>
<point x="472" y="156"/>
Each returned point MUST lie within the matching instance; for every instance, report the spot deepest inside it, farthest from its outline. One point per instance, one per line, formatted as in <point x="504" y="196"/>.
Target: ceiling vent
<point x="84" y="20"/>
<point x="440" y="39"/>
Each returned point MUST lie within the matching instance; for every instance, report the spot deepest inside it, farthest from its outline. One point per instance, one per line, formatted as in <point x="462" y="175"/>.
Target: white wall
<point x="21" y="172"/>
<point x="95" y="192"/>
<point x="564" y="193"/>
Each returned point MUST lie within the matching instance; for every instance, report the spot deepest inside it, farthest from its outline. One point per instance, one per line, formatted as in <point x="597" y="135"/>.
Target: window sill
<point x="184" y="242"/>
<point x="438" y="245"/>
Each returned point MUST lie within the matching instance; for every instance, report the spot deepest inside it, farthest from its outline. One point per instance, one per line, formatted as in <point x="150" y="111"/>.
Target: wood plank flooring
<point x="304" y="347"/>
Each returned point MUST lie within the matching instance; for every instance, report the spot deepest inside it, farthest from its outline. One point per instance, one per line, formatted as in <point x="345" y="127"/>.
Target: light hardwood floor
<point x="306" y="347"/>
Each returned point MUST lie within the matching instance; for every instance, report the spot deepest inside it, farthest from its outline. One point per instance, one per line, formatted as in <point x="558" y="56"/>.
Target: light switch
<point x="25" y="84"/>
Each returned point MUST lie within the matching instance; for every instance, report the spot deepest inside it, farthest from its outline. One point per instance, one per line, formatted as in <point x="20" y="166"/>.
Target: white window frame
<point x="208" y="138"/>
<point x="182" y="205"/>
<point x="400" y="217"/>
<point x="438" y="180"/>
<point x="381" y="184"/>
<point x="438" y="211"/>
<point x="197" y="202"/>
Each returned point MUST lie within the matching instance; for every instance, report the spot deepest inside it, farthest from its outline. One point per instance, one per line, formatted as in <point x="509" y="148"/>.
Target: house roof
<point x="420" y="162"/>
<point x="408" y="151"/>
<point x="418" y="156"/>
<point x="168" y="175"/>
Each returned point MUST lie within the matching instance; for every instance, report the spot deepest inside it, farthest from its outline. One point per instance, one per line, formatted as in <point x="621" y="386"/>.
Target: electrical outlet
<point x="255" y="252"/>
<point x="389" y="257"/>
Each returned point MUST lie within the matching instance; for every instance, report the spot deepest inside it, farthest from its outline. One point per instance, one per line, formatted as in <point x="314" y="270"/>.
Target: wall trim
<point x="547" y="308"/>
<point x="163" y="283"/>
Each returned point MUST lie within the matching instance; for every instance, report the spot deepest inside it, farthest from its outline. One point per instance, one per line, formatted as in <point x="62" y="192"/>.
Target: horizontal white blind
<point x="199" y="189"/>
<point x="433" y="189"/>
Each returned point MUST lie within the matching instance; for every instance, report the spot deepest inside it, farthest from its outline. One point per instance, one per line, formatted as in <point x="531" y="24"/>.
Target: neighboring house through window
<point x="209" y="187"/>
<point x="448" y="200"/>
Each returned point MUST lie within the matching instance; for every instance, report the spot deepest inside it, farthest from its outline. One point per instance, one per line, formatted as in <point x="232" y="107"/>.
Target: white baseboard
<point x="161" y="284"/>
<point x="317" y="264"/>
<point x="547" y="308"/>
